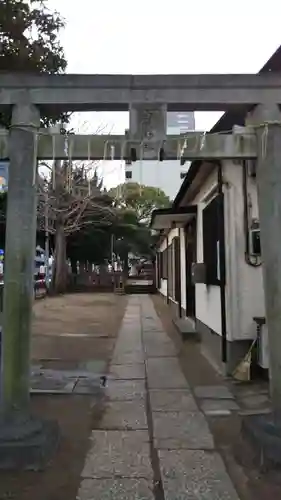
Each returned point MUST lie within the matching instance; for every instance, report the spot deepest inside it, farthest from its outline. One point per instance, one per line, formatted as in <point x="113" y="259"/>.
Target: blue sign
<point x="4" y="176"/>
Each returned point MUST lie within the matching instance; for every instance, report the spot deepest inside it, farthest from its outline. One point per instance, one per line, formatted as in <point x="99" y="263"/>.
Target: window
<point x="128" y="174"/>
<point x="171" y="270"/>
<point x="182" y="175"/>
<point x="164" y="264"/>
<point x="211" y="242"/>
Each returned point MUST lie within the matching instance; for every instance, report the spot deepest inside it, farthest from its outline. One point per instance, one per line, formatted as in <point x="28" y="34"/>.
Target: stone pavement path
<point x="152" y="442"/>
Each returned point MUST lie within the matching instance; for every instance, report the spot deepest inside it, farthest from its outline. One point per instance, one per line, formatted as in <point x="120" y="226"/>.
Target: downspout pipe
<point x="246" y="216"/>
<point x="222" y="264"/>
<point x="179" y="264"/>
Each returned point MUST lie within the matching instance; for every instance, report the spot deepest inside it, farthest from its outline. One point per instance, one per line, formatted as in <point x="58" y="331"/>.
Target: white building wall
<point x="173" y="233"/>
<point x="247" y="292"/>
<point x="163" y="287"/>
<point x="207" y="298"/>
<point x="163" y="283"/>
<point x="244" y="283"/>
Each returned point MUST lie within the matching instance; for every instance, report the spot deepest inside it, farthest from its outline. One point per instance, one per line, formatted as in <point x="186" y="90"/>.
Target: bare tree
<point x="68" y="200"/>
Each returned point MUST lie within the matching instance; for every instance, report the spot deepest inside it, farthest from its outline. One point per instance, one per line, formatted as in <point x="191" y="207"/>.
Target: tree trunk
<point x="60" y="276"/>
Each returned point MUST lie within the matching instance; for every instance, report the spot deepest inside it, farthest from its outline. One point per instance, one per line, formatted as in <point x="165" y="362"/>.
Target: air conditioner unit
<point x="198" y="272"/>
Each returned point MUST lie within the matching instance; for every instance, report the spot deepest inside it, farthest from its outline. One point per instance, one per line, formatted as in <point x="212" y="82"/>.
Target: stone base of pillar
<point x="265" y="436"/>
<point x="27" y="443"/>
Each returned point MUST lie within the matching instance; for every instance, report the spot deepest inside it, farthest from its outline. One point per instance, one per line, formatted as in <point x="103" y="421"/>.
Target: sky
<point x="151" y="36"/>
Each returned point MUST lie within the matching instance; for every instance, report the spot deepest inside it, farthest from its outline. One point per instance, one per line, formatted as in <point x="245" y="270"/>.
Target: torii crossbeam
<point x="118" y="92"/>
<point x="190" y="146"/>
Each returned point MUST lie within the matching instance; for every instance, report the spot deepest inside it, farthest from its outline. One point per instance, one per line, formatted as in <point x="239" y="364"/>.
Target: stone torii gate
<point x="148" y="98"/>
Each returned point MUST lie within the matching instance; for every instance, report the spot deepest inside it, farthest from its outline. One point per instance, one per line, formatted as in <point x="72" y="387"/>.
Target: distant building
<point x="166" y="175"/>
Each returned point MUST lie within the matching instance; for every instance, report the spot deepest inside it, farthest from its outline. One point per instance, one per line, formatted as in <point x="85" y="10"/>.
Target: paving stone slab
<point x="115" y="489"/>
<point x="154" y="350"/>
<point x="134" y="343"/>
<point x="172" y="400"/>
<point x="153" y="332"/>
<point x="118" y="453"/>
<point x="129" y="344"/>
<point x="215" y="406"/>
<point x="131" y="332"/>
<point x="124" y="415"/>
<point x="153" y="329"/>
<point x="122" y="390"/>
<point x="126" y="348"/>
<point x="165" y="373"/>
<point x="153" y="326"/>
<point x="52" y="384"/>
<point x="195" y="475"/>
<point x="64" y="391"/>
<point x="93" y="366"/>
<point x="63" y="375"/>
<point x="213" y="392"/>
<point x="256" y="411"/>
<point x="255" y="401"/>
<point x="131" y="321"/>
<point x="157" y="347"/>
<point x="87" y="387"/>
<point x="254" y="390"/>
<point x="129" y="372"/>
<point x="156" y="339"/>
<point x="217" y="413"/>
<point x="127" y="358"/>
<point x="177" y="430"/>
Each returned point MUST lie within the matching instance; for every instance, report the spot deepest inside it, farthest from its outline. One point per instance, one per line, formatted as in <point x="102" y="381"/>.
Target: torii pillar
<point x="266" y="118"/>
<point x="24" y="440"/>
